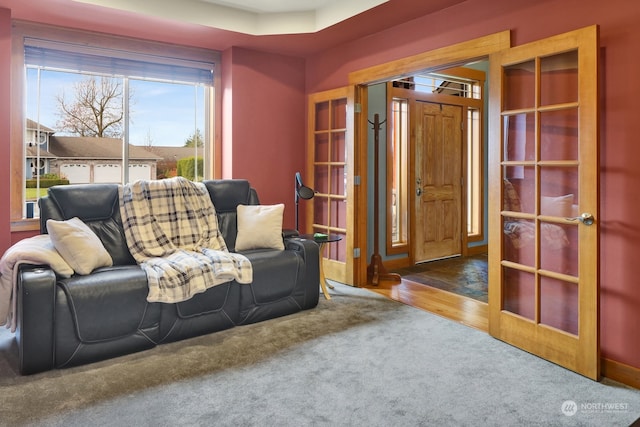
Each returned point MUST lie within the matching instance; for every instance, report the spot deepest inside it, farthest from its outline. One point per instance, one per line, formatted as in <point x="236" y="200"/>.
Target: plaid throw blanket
<point x="171" y="229"/>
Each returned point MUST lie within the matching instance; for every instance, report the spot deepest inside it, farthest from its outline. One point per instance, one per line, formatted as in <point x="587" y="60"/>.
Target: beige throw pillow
<point x="37" y="249"/>
<point x="78" y="245"/>
<point x="260" y="227"/>
<point x="556" y="206"/>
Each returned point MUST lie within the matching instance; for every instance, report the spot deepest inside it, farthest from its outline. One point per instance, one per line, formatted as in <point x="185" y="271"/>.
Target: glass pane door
<point x="329" y="137"/>
<point x="543" y="265"/>
<point x="540" y="176"/>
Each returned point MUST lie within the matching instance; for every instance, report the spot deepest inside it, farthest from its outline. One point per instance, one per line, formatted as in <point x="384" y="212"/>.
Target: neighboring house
<point x="84" y="159"/>
<point x="37" y="149"/>
<point x="96" y="160"/>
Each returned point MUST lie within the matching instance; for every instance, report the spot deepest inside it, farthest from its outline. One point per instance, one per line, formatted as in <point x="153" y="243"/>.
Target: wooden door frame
<point x="443" y="57"/>
<point x="465" y="103"/>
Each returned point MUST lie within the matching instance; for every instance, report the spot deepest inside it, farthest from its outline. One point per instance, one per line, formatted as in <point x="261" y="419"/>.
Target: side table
<point x="321" y="241"/>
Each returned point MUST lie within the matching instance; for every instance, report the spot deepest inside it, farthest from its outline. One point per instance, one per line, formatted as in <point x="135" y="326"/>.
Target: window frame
<point x="22" y="30"/>
<point x="398" y="170"/>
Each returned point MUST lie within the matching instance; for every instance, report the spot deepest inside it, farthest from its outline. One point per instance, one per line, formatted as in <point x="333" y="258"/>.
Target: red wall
<point x="5" y="129"/>
<point x="620" y="127"/>
<point x="265" y="94"/>
<point x="264" y="123"/>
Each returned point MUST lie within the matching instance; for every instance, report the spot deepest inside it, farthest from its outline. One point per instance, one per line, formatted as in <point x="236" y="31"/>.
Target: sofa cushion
<point x="226" y="195"/>
<point x="108" y="303"/>
<point x="210" y="301"/>
<point x="275" y="274"/>
<point x="98" y="206"/>
<point x="260" y="227"/>
<point x="78" y="245"/>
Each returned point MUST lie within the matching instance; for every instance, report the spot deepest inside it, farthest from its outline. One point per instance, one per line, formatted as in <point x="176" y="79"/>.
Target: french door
<point x="330" y="174"/>
<point x="543" y="206"/>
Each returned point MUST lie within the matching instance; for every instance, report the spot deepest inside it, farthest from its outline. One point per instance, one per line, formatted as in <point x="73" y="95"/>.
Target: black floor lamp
<point x="301" y="192"/>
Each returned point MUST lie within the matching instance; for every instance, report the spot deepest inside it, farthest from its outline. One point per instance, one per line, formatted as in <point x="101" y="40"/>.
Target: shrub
<point x="46" y="182"/>
<point x="186" y="168"/>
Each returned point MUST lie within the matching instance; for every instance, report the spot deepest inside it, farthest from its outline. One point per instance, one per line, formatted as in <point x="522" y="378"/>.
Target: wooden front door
<point x="543" y="199"/>
<point x="438" y="181"/>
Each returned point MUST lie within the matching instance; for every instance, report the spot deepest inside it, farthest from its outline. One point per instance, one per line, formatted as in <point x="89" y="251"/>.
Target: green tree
<point x="195" y="140"/>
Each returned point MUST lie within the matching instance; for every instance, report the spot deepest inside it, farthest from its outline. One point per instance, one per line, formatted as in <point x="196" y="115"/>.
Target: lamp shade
<point x="301" y="192"/>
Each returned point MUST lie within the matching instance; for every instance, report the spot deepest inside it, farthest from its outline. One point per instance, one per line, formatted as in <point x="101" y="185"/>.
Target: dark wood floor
<point x="446" y="303"/>
<point x="466" y="276"/>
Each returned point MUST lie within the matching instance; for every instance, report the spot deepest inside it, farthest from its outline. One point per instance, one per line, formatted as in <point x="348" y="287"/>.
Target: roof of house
<point x="32" y="124"/>
<point x="80" y="147"/>
<point x="32" y="151"/>
<point x="175" y="153"/>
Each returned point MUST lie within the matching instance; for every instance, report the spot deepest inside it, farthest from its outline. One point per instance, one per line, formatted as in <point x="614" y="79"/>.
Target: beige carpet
<point x="356" y="360"/>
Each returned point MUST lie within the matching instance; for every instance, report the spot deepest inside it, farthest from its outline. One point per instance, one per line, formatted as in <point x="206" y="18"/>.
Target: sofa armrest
<point x="35" y="306"/>
<point x="287" y="233"/>
<point x="309" y="250"/>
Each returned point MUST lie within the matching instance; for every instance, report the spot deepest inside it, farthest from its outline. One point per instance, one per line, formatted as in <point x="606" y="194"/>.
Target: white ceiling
<point x="273" y="6"/>
<point x="255" y="17"/>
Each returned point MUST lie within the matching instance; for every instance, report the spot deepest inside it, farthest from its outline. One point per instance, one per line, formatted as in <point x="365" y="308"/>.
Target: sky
<point x="164" y="113"/>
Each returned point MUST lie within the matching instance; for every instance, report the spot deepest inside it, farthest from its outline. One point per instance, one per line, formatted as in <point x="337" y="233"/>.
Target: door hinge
<point x="356" y="180"/>
<point x="356" y="252"/>
<point x="357" y="107"/>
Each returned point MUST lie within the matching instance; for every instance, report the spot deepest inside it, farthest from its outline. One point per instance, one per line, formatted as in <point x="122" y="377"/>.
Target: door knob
<point x="586" y="218"/>
<point x="419" y="191"/>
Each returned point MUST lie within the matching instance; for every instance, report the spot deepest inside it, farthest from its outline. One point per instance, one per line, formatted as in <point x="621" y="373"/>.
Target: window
<point x="110" y="112"/>
<point x="398" y="185"/>
<point x="475" y="161"/>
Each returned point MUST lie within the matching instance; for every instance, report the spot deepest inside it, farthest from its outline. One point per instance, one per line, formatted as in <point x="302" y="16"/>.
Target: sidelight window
<point x="397" y="186"/>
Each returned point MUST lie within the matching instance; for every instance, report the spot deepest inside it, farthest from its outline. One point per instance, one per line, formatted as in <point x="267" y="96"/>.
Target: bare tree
<point x="148" y="141"/>
<point x="95" y="110"/>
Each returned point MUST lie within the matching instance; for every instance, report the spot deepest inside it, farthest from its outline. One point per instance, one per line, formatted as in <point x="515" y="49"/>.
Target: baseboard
<point x="620" y="372"/>
<point x="394" y="264"/>
<point x="477" y="250"/>
<point x="397" y="263"/>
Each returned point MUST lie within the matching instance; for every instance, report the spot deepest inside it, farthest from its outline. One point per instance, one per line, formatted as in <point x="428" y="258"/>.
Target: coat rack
<point x="376" y="270"/>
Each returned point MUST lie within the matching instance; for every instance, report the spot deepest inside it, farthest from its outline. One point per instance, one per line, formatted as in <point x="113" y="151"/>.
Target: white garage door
<point x="76" y="173"/>
<point x="137" y="172"/>
<point x="107" y="173"/>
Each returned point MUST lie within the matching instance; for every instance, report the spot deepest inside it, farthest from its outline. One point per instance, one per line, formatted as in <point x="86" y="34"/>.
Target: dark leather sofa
<point x="64" y="322"/>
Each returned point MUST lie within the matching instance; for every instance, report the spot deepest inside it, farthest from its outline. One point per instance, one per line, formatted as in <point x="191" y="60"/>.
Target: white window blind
<point x="53" y="55"/>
